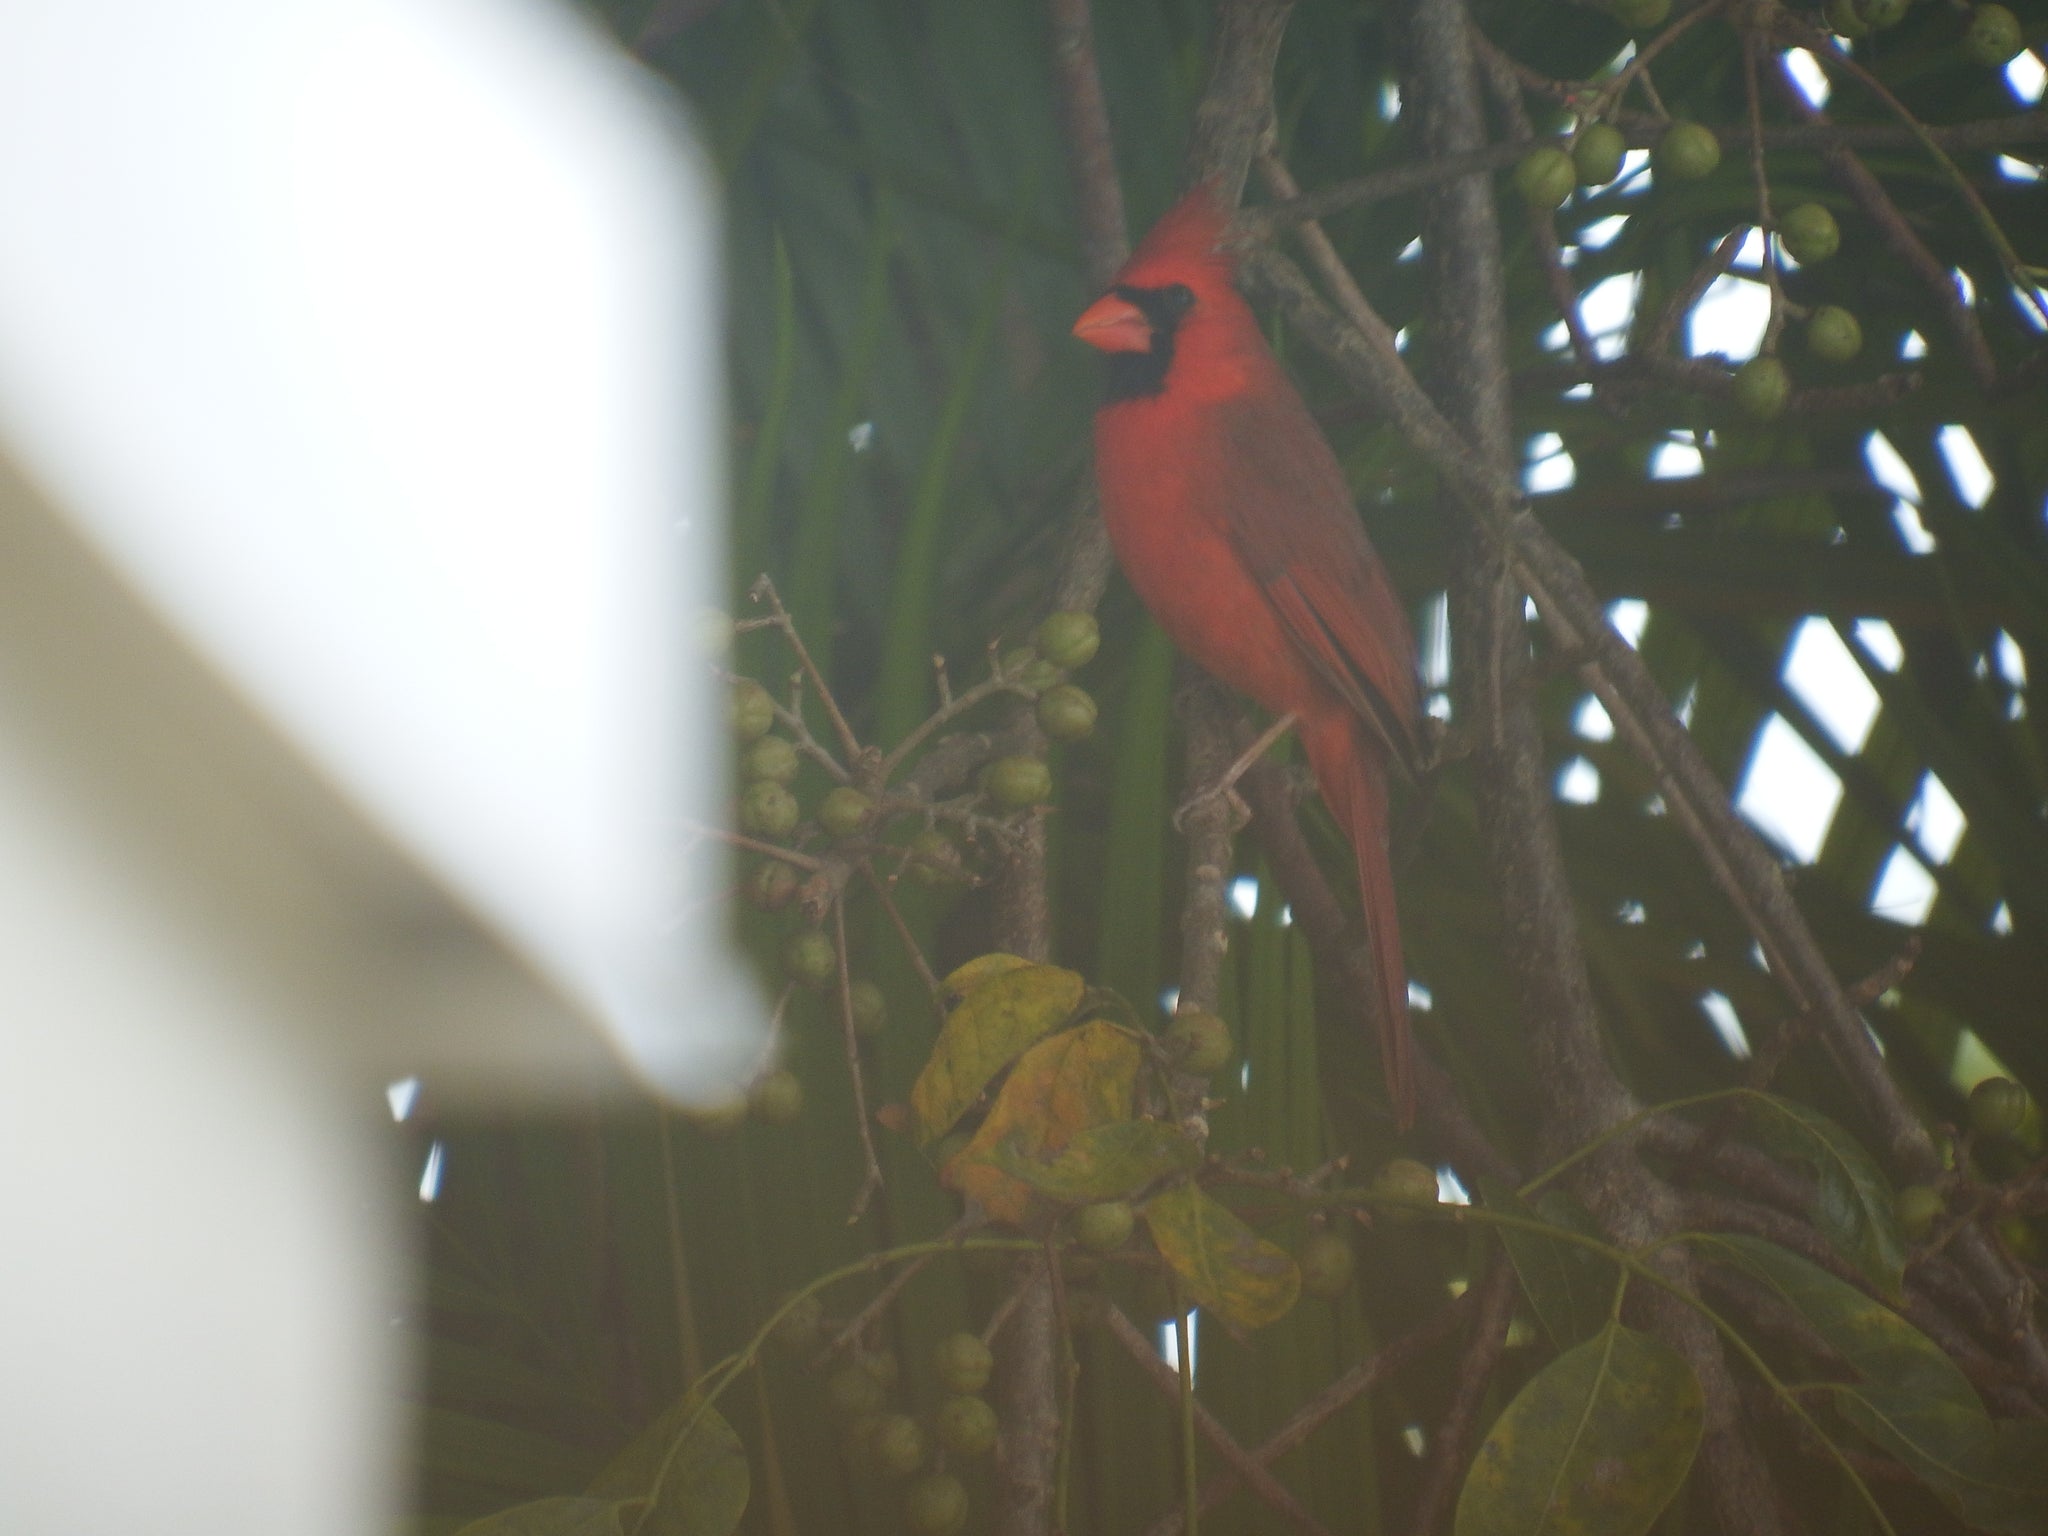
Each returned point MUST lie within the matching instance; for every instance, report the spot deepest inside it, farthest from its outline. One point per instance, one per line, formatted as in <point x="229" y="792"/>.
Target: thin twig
<point x="1824" y="45"/>
<point x="1503" y="87"/>
<point x="1328" y="1403"/>
<point x="1414" y="176"/>
<point x="933" y="989"/>
<point x="1878" y="207"/>
<point x="871" y="1180"/>
<point x="1444" y="1470"/>
<point x="1774" y="323"/>
<point x="763" y="590"/>
<point x="1208" y="829"/>
<point x="1717" y="261"/>
<point x="754" y="845"/>
<point x="1639" y="66"/>
<point x="858" y="1326"/>
<point x="1263" y="1484"/>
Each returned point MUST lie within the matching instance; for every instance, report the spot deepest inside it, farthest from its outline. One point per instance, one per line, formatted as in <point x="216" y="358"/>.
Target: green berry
<point x="870" y="1008"/>
<point x="1762" y="386"/>
<point x="936" y="1505"/>
<point x="1406" y="1181"/>
<point x="1545" y="177"/>
<point x="1917" y="1207"/>
<point x="881" y="1365"/>
<point x="935" y="860"/>
<point x="1068" y="639"/>
<point x="1879" y="14"/>
<point x="1640" y="15"/>
<point x="719" y="1119"/>
<point x="1994" y="36"/>
<point x="966" y="1426"/>
<point x="1015" y="782"/>
<point x="768" y="810"/>
<point x="772" y="884"/>
<point x="963" y="1362"/>
<point x="1845" y="20"/>
<point x="1038" y="674"/>
<point x="1597" y="153"/>
<point x="1998" y="1107"/>
<point x="753" y="712"/>
<point x="1066" y="713"/>
<point x="1687" y="152"/>
<point x="897" y="1444"/>
<point x="801" y="1328"/>
<point x="778" y="1098"/>
<point x="852" y="1391"/>
<point x="1026" y="668"/>
<point x="1326" y="1263"/>
<point x="1104" y="1225"/>
<point x="1809" y="233"/>
<point x="809" y="957"/>
<point x="1833" y="334"/>
<point x="845" y="811"/>
<point x="773" y="758"/>
<point x="1202" y="1041"/>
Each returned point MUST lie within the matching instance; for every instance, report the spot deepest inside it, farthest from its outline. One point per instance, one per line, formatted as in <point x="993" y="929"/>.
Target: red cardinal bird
<point x="1232" y="520"/>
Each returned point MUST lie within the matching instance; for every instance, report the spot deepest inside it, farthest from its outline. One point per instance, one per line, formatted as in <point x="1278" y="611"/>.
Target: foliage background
<point x="910" y="424"/>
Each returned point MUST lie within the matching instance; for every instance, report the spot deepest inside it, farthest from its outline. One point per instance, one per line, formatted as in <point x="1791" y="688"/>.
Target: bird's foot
<point x="1225" y="793"/>
<point x="1225" y="786"/>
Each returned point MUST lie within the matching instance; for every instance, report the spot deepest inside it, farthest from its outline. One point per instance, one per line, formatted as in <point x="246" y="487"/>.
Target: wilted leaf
<point x="1569" y="1288"/>
<point x="1992" y="1473"/>
<point x="963" y="979"/>
<point x="1059" y="1088"/>
<point x="1852" y="1201"/>
<point x="1595" y="1445"/>
<point x="1225" y="1265"/>
<point x="699" y="1487"/>
<point x="575" y="1515"/>
<point x="1105" y="1162"/>
<point x="999" y="1017"/>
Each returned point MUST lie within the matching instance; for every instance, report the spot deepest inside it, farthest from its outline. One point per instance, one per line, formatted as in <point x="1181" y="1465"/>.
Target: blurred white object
<point x="357" y="487"/>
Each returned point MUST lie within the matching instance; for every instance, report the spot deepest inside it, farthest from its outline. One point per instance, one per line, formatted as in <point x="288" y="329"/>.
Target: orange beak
<point x="1113" y="324"/>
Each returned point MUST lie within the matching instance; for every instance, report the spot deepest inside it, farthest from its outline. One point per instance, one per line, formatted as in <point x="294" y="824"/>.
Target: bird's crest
<point x="1187" y="240"/>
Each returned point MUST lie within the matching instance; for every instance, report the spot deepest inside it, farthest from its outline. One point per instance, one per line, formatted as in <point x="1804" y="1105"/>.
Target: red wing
<point x="1291" y="517"/>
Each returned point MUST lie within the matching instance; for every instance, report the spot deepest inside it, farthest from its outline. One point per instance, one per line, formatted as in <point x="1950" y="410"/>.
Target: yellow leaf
<point x="1224" y="1264"/>
<point x="998" y="1018"/>
<point x="1060" y="1087"/>
<point x="964" y="979"/>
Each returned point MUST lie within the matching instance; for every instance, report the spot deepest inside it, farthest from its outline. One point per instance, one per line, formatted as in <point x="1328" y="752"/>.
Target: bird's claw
<point x="1240" y="813"/>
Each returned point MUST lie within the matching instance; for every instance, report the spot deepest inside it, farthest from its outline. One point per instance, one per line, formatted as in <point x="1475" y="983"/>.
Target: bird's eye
<point x="1178" y="298"/>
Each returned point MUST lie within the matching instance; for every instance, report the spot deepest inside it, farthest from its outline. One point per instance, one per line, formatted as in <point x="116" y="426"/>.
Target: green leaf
<point x="1105" y="1162"/>
<point x="1225" y="1265"/>
<point x="1879" y="1345"/>
<point x="1992" y="1473"/>
<point x="1596" y="1444"/>
<point x="690" y="1464"/>
<point x="1852" y="1201"/>
<point x="996" y="1021"/>
<point x="1912" y="1400"/>
<point x="1569" y="1288"/>
<point x="571" y="1515"/>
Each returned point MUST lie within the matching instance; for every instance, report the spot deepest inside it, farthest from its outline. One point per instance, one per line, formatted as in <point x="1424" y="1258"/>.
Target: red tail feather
<point x="1354" y="785"/>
